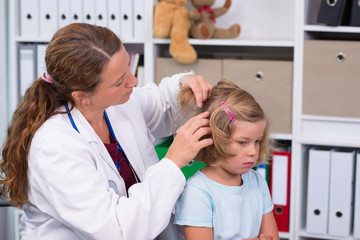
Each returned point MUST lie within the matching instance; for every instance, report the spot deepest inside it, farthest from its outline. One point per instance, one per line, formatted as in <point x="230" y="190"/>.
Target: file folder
<point x="101" y="13"/>
<point x="89" y="11"/>
<point x="138" y="19"/>
<point x="64" y="13"/>
<point x="26" y="67"/>
<point x="355" y="13"/>
<point x="29" y="20"/>
<point x="114" y="16"/>
<point x="134" y="62"/>
<point x="357" y="199"/>
<point x="318" y="191"/>
<point x="280" y="188"/>
<point x="334" y="13"/>
<point x="264" y="170"/>
<point x="48" y="18"/>
<point x="140" y="76"/>
<point x="40" y="59"/>
<point x="126" y="21"/>
<point x="76" y="13"/>
<point x="341" y="189"/>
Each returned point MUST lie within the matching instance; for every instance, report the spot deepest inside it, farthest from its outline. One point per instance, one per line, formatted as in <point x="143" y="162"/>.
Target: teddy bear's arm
<point x="194" y="14"/>
<point x="222" y="10"/>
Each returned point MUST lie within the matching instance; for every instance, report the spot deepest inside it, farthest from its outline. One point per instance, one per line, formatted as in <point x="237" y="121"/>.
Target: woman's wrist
<point x="189" y="73"/>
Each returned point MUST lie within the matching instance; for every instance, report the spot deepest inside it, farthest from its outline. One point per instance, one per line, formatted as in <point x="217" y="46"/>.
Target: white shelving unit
<point x="313" y="129"/>
<point x="269" y="28"/>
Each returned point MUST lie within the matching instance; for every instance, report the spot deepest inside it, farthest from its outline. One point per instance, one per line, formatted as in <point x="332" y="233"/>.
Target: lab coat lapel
<point x="125" y="136"/>
<point x="89" y="134"/>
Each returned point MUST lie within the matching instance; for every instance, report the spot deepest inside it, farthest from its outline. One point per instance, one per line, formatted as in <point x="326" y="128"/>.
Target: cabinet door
<point x="209" y="68"/>
<point x="331" y="78"/>
<point x="270" y="82"/>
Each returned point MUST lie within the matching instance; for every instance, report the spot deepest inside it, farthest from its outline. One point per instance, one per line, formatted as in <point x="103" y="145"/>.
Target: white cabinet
<point x="277" y="30"/>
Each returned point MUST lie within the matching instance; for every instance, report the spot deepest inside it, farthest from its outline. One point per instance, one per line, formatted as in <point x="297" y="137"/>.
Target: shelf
<point x="312" y="236"/>
<point x="335" y="29"/>
<point x="330" y="131"/>
<point x="233" y="42"/>
<point x="46" y="40"/>
<point x="279" y="136"/>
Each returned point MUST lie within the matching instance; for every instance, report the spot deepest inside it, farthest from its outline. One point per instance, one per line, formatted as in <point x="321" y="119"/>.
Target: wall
<point x="6" y="213"/>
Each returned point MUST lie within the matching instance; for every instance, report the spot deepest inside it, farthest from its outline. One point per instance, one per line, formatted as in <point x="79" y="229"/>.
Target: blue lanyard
<point x="119" y="148"/>
<point x="70" y="117"/>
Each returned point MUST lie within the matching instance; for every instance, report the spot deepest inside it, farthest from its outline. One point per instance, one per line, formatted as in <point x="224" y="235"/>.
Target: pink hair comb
<point x="228" y="112"/>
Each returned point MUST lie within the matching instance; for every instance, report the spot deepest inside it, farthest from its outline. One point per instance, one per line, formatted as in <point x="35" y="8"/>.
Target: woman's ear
<point x="79" y="97"/>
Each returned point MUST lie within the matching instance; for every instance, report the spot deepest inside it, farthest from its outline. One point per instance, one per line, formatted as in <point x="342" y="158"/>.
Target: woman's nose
<point x="131" y="80"/>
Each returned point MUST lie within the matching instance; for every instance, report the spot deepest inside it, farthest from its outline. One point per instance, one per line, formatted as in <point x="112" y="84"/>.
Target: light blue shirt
<point x="234" y="212"/>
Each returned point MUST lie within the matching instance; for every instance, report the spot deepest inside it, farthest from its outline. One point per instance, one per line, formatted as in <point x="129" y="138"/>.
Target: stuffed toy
<point x="171" y="19"/>
<point x="204" y="19"/>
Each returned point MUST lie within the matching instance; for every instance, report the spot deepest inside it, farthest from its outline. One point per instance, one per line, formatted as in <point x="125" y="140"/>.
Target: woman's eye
<point x="242" y="143"/>
<point x="120" y="82"/>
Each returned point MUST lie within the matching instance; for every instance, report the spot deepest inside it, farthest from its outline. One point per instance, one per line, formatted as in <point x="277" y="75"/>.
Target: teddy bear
<point x="204" y="18"/>
<point x="171" y="19"/>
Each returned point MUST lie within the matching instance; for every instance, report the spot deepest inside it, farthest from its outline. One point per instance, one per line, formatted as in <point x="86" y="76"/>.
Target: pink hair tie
<point x="228" y="112"/>
<point x="47" y="78"/>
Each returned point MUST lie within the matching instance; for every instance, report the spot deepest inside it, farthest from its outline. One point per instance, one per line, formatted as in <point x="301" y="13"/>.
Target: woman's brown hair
<point x="241" y="104"/>
<point x="75" y="58"/>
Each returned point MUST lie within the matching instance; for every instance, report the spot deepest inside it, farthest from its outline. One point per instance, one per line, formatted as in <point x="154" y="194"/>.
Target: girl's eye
<point x="242" y="143"/>
<point x="257" y="141"/>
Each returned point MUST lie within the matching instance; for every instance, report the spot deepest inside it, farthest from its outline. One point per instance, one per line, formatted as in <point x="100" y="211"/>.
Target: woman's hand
<point x="199" y="85"/>
<point x="187" y="143"/>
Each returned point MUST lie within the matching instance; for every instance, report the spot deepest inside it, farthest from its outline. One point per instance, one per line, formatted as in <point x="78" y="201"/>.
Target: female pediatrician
<point x="79" y="157"/>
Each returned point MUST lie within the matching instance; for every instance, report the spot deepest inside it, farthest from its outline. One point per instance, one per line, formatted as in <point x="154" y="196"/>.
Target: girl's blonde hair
<point x="241" y="104"/>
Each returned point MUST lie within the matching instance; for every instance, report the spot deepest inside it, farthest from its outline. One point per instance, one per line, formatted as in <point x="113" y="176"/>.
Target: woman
<point x="79" y="157"/>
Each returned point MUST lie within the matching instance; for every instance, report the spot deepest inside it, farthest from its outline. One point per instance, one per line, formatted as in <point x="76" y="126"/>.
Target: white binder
<point x="126" y="21"/>
<point x="101" y="13"/>
<point x="64" y="13"/>
<point x="341" y="189"/>
<point x="89" y="13"/>
<point x="139" y="19"/>
<point x="357" y="199"/>
<point x="29" y="20"/>
<point x="318" y="191"/>
<point x="114" y="16"/>
<point x="48" y="18"/>
<point x="76" y="14"/>
<point x="40" y="59"/>
<point x="27" y="67"/>
<point x="279" y="179"/>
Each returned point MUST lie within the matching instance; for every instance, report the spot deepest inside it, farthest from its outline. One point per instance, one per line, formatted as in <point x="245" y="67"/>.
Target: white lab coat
<point x="75" y="190"/>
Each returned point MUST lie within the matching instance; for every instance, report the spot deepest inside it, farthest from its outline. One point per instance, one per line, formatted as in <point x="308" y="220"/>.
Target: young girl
<point x="227" y="199"/>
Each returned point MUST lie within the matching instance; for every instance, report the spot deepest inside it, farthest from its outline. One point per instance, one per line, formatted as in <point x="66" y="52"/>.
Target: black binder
<point x="355" y="13"/>
<point x="334" y="12"/>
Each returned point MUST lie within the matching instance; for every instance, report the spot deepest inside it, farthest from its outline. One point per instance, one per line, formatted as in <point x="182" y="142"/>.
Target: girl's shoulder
<point x="254" y="178"/>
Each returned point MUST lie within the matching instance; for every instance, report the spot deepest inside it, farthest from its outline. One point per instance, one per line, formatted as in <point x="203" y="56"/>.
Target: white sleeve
<point x="65" y="184"/>
<point x="159" y="104"/>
